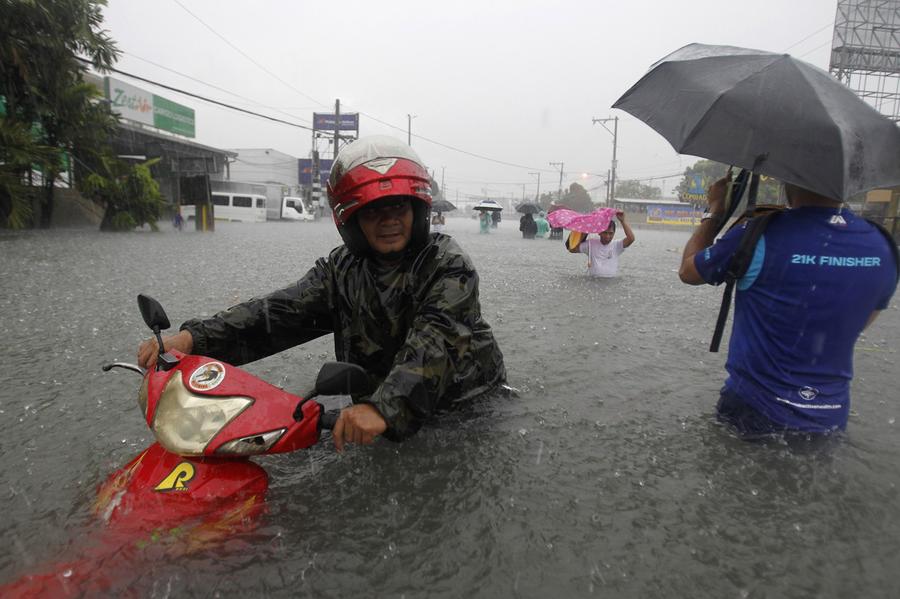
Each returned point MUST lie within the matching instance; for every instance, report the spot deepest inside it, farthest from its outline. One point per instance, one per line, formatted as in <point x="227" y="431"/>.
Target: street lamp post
<point x="561" y="166"/>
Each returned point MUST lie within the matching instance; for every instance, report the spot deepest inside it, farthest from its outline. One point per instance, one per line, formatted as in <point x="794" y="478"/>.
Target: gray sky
<point x="517" y="81"/>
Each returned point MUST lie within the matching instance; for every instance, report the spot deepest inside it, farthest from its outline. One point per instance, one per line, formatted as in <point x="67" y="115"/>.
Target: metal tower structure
<point x="865" y="52"/>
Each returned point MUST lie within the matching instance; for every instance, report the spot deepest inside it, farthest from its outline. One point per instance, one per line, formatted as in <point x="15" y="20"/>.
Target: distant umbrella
<point x="528" y="208"/>
<point x="488" y="205"/>
<point x="441" y="205"/>
<point x="554" y="207"/>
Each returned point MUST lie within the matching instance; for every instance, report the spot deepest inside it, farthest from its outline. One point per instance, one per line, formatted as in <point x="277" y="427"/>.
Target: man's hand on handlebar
<point x="149" y="349"/>
<point x="358" y="424"/>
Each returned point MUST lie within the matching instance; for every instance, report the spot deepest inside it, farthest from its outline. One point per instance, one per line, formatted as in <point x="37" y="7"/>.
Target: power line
<point x="814" y="49"/>
<point x="266" y="70"/>
<point x="655" y="178"/>
<point x="221" y="89"/>
<point x="817" y="31"/>
<point x="247" y="56"/>
<point x="275" y="76"/>
<point x="461" y="151"/>
<point x="199" y="97"/>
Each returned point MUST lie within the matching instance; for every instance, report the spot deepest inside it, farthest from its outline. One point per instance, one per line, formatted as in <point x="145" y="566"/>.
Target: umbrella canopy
<point x="489" y="205"/>
<point x="528" y="208"/>
<point x="442" y="205"/>
<point x="595" y="222"/>
<point x="769" y="113"/>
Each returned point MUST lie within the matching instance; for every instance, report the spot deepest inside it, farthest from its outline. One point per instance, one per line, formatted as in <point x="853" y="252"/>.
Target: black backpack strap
<point x="737" y="268"/>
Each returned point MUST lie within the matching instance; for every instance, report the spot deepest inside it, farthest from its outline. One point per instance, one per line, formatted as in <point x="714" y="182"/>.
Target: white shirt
<point x="603" y="260"/>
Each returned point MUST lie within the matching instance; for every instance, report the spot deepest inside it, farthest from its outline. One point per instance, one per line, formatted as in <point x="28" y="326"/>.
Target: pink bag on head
<point x="594" y="222"/>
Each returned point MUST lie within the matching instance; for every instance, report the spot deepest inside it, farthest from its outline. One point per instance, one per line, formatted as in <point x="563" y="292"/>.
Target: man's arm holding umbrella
<point x="704" y="234"/>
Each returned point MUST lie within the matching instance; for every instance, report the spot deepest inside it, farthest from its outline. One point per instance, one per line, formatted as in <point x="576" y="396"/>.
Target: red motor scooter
<point x="195" y="485"/>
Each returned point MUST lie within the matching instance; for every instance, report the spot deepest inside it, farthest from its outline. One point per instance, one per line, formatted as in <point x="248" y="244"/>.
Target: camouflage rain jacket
<point x="415" y="327"/>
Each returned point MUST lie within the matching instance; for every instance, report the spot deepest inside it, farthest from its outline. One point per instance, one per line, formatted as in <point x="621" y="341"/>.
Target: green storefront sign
<point x="173" y="117"/>
<point x="139" y="105"/>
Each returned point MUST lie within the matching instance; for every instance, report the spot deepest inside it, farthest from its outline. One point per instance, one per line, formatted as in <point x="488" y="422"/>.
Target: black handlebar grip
<point x="328" y="419"/>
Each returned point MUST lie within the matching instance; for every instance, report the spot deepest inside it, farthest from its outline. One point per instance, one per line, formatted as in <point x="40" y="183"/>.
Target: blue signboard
<point x="326" y="122"/>
<point x="668" y="214"/>
<point x="306" y="169"/>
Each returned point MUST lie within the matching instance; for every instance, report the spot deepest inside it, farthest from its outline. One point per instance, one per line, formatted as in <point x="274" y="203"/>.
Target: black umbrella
<point x="528" y="208"/>
<point x="442" y="205"/>
<point x="769" y="113"/>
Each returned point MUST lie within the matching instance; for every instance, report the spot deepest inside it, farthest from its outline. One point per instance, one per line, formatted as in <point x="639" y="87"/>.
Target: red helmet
<point x="371" y="169"/>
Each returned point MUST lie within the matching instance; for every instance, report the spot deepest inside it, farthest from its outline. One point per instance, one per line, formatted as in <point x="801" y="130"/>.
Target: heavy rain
<point x="601" y="470"/>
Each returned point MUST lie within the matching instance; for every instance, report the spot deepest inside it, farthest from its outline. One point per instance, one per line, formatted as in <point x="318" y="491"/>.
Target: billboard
<point x="697" y="190"/>
<point x="136" y="104"/>
<point x="672" y="214"/>
<point x="326" y="122"/>
<point x="306" y="169"/>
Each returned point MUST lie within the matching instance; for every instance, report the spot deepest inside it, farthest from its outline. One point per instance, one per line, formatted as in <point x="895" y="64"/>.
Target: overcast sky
<point x="516" y="81"/>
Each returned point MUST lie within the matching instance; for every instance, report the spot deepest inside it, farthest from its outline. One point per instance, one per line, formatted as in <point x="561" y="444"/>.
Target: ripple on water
<point x="622" y="484"/>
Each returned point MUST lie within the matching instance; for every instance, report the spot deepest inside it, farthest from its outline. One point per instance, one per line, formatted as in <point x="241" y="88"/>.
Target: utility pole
<point x="337" y="126"/>
<point x="615" y="134"/>
<point x="523" y="193"/>
<point x="409" y="118"/>
<point x="607" y="186"/>
<point x="443" y="195"/>
<point x="561" y="166"/>
<point x="537" y="195"/>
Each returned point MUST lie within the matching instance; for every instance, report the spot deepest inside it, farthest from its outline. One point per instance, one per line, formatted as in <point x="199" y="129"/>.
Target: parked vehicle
<point x="242" y="207"/>
<point x="195" y="485"/>
<point x="293" y="208"/>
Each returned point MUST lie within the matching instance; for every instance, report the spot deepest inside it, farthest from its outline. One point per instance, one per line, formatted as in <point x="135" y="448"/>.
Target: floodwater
<point x="607" y="476"/>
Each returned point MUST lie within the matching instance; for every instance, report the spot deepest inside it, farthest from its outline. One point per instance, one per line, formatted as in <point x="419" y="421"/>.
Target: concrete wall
<point x="71" y="210"/>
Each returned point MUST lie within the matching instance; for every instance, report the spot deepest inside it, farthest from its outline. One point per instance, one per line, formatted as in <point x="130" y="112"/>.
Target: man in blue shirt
<point x="819" y="275"/>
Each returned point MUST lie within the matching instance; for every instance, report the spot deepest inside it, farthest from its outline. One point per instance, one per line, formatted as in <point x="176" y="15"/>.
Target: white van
<point x="243" y="207"/>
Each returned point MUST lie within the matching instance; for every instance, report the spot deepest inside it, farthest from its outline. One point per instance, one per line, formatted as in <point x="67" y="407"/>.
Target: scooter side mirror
<point x="341" y="378"/>
<point x="153" y="313"/>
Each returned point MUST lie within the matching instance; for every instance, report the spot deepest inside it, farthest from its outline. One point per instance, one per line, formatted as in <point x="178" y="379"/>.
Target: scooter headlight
<point x="252" y="445"/>
<point x="185" y="423"/>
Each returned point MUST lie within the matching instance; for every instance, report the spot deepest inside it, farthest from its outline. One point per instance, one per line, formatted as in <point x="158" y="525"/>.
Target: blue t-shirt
<point x="816" y="276"/>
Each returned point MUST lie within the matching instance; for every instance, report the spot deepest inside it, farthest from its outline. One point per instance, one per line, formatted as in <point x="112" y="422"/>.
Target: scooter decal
<point x="176" y="479"/>
<point x="207" y="377"/>
<point x="114" y="488"/>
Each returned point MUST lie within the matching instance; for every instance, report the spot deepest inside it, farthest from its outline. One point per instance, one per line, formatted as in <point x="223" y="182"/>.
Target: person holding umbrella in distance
<point x="809" y="279"/>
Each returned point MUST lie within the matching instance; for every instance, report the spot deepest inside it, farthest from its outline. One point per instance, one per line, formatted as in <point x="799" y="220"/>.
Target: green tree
<point x="636" y="190"/>
<point x="546" y="199"/>
<point x="577" y="198"/>
<point x="42" y="82"/>
<point x="129" y="194"/>
<point x="19" y="154"/>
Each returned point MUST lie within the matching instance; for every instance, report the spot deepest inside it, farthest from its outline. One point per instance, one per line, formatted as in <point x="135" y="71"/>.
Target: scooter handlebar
<point x="328" y="419"/>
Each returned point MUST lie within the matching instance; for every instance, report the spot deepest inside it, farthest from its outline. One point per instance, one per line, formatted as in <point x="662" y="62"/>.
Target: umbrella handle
<point x="734" y="193"/>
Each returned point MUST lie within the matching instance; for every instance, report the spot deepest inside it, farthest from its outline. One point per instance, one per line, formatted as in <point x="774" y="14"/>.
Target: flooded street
<point x="608" y="476"/>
